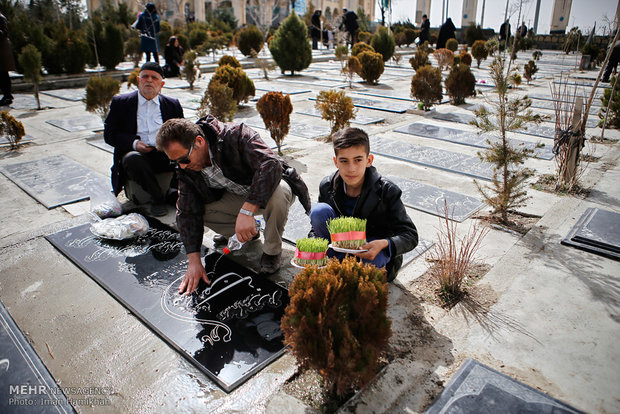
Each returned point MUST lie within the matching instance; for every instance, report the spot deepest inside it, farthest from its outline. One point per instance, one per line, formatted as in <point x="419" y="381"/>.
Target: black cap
<point x="154" y="67"/>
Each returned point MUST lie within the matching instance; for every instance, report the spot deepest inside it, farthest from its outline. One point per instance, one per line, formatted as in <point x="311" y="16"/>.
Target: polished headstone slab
<point x="54" y="181"/>
<point x="20" y="366"/>
<point x="101" y="144"/>
<point x="188" y="100"/>
<point x="285" y="89"/>
<point x="597" y="231"/>
<point x="470" y="138"/>
<point x="330" y="84"/>
<point x="430" y="199"/>
<point x="476" y="388"/>
<point x="78" y="123"/>
<point x="432" y="157"/>
<point x="229" y="330"/>
<point x="377" y="104"/>
<point x="172" y="83"/>
<point x="23" y="101"/>
<point x="359" y="119"/>
<point x="595" y="102"/>
<point x="583" y="83"/>
<point x="536" y="103"/>
<point x="296" y="128"/>
<point x="74" y="95"/>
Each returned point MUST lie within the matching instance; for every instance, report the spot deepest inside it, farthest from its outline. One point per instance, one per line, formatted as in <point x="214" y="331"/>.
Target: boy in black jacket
<point x="358" y="190"/>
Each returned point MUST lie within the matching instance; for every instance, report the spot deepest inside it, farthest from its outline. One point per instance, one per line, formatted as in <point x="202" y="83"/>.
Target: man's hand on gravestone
<point x="143" y="148"/>
<point x="195" y="272"/>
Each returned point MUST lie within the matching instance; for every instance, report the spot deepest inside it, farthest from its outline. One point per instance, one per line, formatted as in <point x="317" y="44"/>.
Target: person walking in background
<point x="173" y="53"/>
<point x="447" y="31"/>
<point x="6" y="62"/>
<point x="148" y="25"/>
<point x="523" y="30"/>
<point x="315" y="31"/>
<point x="504" y="31"/>
<point x="425" y="31"/>
<point x="349" y="24"/>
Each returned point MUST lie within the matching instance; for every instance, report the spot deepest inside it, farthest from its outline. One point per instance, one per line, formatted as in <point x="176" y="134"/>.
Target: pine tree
<point x="290" y="47"/>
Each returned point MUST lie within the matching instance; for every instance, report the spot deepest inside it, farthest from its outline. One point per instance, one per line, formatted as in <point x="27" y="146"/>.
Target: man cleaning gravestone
<point x="227" y="175"/>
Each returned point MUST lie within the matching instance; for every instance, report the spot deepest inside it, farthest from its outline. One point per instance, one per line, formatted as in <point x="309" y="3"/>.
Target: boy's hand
<point x="374" y="247"/>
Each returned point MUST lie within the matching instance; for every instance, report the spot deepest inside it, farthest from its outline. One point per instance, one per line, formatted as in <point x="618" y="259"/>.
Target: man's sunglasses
<point x="185" y="160"/>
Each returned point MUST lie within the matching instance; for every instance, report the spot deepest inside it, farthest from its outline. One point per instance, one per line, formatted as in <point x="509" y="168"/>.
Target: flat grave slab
<point x="359" y="118"/>
<point x="175" y="83"/>
<point x="273" y="87"/>
<point x="78" y="123"/>
<point x="322" y="83"/>
<point x="298" y="226"/>
<point x="430" y="199"/>
<point x="296" y="128"/>
<point x="469" y="138"/>
<point x="188" y="100"/>
<point x="377" y="104"/>
<point x="595" y="102"/>
<point x="591" y="123"/>
<point x="101" y="144"/>
<point x="23" y="101"/>
<point x="597" y="231"/>
<point x="432" y="157"/>
<point x="26" y="139"/>
<point x="229" y="330"/>
<point x="55" y="180"/>
<point x="584" y="84"/>
<point x="537" y="103"/>
<point x="74" y="95"/>
<point x="476" y="388"/>
<point x="21" y="366"/>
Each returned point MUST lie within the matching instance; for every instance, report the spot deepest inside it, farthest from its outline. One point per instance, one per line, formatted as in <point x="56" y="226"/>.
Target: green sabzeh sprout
<point x="312" y="245"/>
<point x="343" y="225"/>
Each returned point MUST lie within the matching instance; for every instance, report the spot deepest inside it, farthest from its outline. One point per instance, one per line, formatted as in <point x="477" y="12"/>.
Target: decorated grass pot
<point x="347" y="232"/>
<point x="311" y="252"/>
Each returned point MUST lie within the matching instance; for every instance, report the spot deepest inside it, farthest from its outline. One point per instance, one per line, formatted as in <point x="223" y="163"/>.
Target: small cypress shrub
<point x="419" y="59"/>
<point x="132" y="79"/>
<point x="197" y="37"/>
<point x="218" y="101"/>
<point x="111" y="52"/>
<point x="460" y="83"/>
<point x="30" y="62"/>
<point x="249" y="38"/>
<point x="190" y="69"/>
<point x="132" y="49"/>
<point x="237" y="80"/>
<point x="452" y="44"/>
<point x="426" y="86"/>
<point x="445" y="58"/>
<point x="529" y="70"/>
<point x="11" y="128"/>
<point x="336" y="107"/>
<point x="383" y="42"/>
<point x="515" y="80"/>
<point x="341" y="52"/>
<point x="465" y="58"/>
<point x="229" y="60"/>
<point x="275" y="109"/>
<point x="479" y="51"/>
<point x="99" y="93"/>
<point x="360" y="47"/>
<point x="400" y="39"/>
<point x="536" y="55"/>
<point x="425" y="47"/>
<point x="363" y="36"/>
<point x="473" y="33"/>
<point x="410" y="36"/>
<point x="372" y="66"/>
<point x="336" y="322"/>
<point x="290" y="47"/>
<point x="353" y="66"/>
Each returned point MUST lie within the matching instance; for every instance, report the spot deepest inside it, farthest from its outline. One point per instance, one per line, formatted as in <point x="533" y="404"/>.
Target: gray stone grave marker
<point x="296" y="128"/>
<point x="597" y="231"/>
<point x="101" y="144"/>
<point x="74" y="95"/>
<point x="286" y="89"/>
<point x="78" y="123"/>
<point x="377" y="104"/>
<point x="22" y="101"/>
<point x="359" y="118"/>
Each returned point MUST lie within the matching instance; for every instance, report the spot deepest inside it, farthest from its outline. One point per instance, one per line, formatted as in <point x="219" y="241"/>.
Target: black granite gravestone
<point x="597" y="231"/>
<point x="432" y="157"/>
<point x="229" y="330"/>
<point x="471" y="138"/>
<point x="54" y="181"/>
<point x="476" y="388"/>
<point x="26" y="386"/>
<point x="78" y="123"/>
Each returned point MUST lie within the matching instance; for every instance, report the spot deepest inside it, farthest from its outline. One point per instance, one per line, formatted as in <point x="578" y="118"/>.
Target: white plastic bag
<point x="103" y="204"/>
<point x="120" y="228"/>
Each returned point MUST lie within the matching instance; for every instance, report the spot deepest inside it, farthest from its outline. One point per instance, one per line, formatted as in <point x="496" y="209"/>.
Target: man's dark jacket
<point x="380" y="204"/>
<point x="245" y="159"/>
<point x="121" y="127"/>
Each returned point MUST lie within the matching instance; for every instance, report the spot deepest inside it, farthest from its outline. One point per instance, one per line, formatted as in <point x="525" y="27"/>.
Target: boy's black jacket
<point x="380" y="204"/>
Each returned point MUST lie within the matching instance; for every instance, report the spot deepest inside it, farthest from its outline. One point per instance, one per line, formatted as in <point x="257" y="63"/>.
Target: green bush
<point x="336" y="108"/>
<point x="341" y="52"/>
<point x="290" y="47"/>
<point x="165" y="31"/>
<point x="190" y="67"/>
<point x="336" y="322"/>
<point x="383" y="42"/>
<point x="249" y="38"/>
<point x="479" y="51"/>
<point x="360" y="47"/>
<point x="30" y="62"/>
<point x="183" y="41"/>
<point x="275" y="109"/>
<point x="197" y="37"/>
<point x="229" y="60"/>
<point x="372" y="66"/>
<point x="218" y="101"/>
<point x="452" y="44"/>
<point x="465" y="58"/>
<point x="99" y="93"/>
<point x="352" y="67"/>
<point x="132" y="49"/>
<point x="426" y="86"/>
<point x="400" y="39"/>
<point x="613" y="118"/>
<point x="473" y="33"/>
<point x="460" y="84"/>
<point x="419" y="59"/>
<point x="529" y="70"/>
<point x="75" y="52"/>
<point x="410" y="36"/>
<point x="111" y="51"/>
<point x="237" y="80"/>
<point x="363" y="36"/>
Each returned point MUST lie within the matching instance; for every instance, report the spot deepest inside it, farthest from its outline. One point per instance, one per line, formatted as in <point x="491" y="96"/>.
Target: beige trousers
<point x="221" y="216"/>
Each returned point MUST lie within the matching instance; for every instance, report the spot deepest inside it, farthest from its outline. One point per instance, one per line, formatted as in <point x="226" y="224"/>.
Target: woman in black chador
<point x="173" y="53"/>
<point x="447" y="31"/>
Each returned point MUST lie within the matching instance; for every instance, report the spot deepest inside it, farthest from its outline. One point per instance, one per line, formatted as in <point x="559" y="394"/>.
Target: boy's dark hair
<point x="350" y="137"/>
<point x="178" y="130"/>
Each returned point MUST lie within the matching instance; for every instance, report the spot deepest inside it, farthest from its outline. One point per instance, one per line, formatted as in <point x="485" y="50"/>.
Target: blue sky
<point x="583" y="13"/>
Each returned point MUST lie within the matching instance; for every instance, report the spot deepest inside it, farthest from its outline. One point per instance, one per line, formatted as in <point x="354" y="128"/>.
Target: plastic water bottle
<point x="235" y="244"/>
